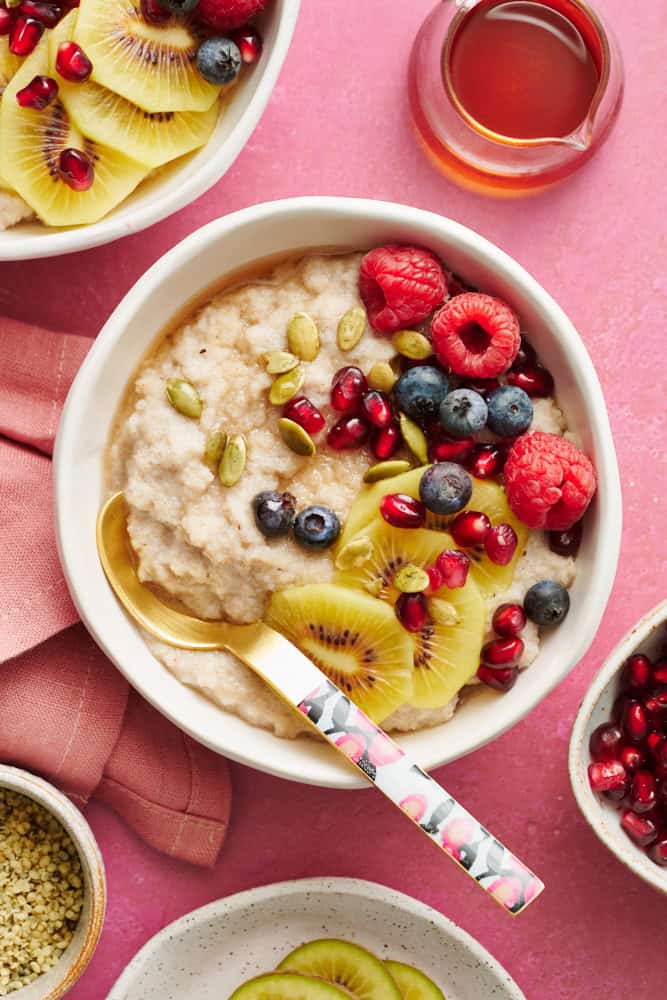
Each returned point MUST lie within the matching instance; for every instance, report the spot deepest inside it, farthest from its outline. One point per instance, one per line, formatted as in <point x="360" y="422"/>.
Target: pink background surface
<point x="338" y="124"/>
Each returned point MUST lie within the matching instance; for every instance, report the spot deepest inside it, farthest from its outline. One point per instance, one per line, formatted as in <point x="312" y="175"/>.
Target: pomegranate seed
<point x="412" y="611"/>
<point x="348" y="386"/>
<point x="635" y="723"/>
<point x="501" y="543"/>
<point x="48" y="13"/>
<point x="658" y="851"/>
<point x="509" y="620"/>
<point x="642" y="791"/>
<point x="661" y="790"/>
<point x="387" y="441"/>
<point x="605" y="742"/>
<point x="153" y="11"/>
<point x="505" y="652"/>
<point x="636" y="672"/>
<point x="454" y="567"/>
<point x="376" y="408"/>
<point x="76" y="170"/>
<point x="24" y="35"/>
<point x="632" y="759"/>
<point x="444" y="449"/>
<point x="250" y="44"/>
<point x="72" y="63"/>
<point x="303" y="412"/>
<point x="537" y="381"/>
<point x="499" y="680"/>
<point x="6" y="20"/>
<point x="660" y="672"/>
<point x="654" y="741"/>
<point x="656" y="703"/>
<point x="484" y="386"/>
<point x="526" y="355"/>
<point x="487" y="460"/>
<point x="435" y="579"/>
<point x="402" y="511"/>
<point x="618" y="794"/>
<point x="621" y="706"/>
<point x="566" y="543"/>
<point x="38" y="94"/>
<point x="349" y="432"/>
<point x="638" y="828"/>
<point x="470" y="528"/>
<point x="605" y="775"/>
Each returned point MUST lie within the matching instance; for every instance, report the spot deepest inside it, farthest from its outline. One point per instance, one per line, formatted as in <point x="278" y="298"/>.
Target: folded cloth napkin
<point x="64" y="709"/>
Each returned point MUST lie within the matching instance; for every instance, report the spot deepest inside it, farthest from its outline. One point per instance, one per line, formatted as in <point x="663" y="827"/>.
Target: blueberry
<point x="547" y="603"/>
<point x="178" y="6"/>
<point x="463" y="413"/>
<point x="445" y="488"/>
<point x="219" y="60"/>
<point x="316" y="527"/>
<point x="420" y="391"/>
<point x="510" y="411"/>
<point x="274" y="512"/>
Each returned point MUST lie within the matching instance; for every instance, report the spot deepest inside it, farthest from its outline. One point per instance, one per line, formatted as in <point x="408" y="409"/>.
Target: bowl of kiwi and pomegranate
<point x="114" y="113"/>
<point x="394" y="449"/>
<point x="315" y="939"/>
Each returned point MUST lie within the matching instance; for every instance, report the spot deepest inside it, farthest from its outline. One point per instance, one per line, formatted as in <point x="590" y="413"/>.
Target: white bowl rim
<point x="321" y="886"/>
<point x="58" y="242"/>
<point x="631" y="856"/>
<point x="379" y="212"/>
<point x="75" y="824"/>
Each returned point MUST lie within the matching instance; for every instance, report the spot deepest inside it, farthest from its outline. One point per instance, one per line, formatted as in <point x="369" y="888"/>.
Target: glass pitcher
<point x="476" y="157"/>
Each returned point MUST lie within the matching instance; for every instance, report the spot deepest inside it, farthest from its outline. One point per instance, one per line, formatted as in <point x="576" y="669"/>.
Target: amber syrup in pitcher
<point x="504" y="93"/>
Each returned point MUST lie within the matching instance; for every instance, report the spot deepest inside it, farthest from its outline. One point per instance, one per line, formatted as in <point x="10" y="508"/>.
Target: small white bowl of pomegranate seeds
<point x="618" y="751"/>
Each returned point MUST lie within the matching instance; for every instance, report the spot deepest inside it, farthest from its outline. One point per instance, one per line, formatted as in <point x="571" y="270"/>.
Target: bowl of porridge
<point x="370" y="427"/>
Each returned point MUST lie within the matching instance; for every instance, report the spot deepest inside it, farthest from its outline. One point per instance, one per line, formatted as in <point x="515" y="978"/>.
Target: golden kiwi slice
<point x="152" y="65"/>
<point x="353" y="638"/>
<point x="9" y="64"/>
<point x="288" y="986"/>
<point x="413" y="983"/>
<point x="32" y="142"/>
<point x="108" y="118"/>
<point x="346" y="965"/>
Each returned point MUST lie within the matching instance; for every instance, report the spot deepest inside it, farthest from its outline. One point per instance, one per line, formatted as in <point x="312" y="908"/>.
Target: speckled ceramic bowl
<point x="646" y="637"/>
<point x="59" y="980"/>
<point x="208" y="953"/>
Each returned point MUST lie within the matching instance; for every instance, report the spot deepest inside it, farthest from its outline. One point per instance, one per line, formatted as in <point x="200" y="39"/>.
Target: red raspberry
<point x="476" y="335"/>
<point x="400" y="285"/>
<point x="549" y="482"/>
<point x="225" y="14"/>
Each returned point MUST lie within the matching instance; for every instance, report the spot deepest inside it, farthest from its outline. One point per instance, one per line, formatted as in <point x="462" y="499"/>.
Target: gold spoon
<point x="307" y="690"/>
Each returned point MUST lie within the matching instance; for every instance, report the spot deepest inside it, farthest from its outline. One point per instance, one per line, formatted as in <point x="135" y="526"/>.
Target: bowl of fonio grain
<point x="52" y="889"/>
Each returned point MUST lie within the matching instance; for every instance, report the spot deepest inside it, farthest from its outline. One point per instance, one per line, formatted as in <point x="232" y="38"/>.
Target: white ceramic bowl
<point x="253" y="930"/>
<point x="190" y="268"/>
<point x="180" y="183"/>
<point x="59" y="980"/>
<point x="648" y="637"/>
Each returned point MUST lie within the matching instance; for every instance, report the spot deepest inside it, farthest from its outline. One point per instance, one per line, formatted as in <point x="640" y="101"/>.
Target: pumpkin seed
<point x="184" y="398"/>
<point x="279" y="362"/>
<point x="411" y="579"/>
<point x="215" y="447"/>
<point x="287" y="385"/>
<point x="384" y="470"/>
<point x="412" y="344"/>
<point x="415" y="439"/>
<point x="382" y="376"/>
<point x="355" y="554"/>
<point x="351" y="328"/>
<point x="233" y="462"/>
<point x="296" y="437"/>
<point x="303" y="338"/>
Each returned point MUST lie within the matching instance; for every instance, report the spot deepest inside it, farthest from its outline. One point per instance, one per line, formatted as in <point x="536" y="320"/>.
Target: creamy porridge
<point x="198" y="540"/>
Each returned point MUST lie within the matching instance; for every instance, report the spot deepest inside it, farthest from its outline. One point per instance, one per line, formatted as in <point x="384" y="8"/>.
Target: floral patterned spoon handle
<point x="306" y="689"/>
<point x="420" y="798"/>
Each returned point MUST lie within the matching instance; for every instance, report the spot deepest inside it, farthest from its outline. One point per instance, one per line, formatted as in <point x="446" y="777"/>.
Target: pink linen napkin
<point x="65" y="711"/>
